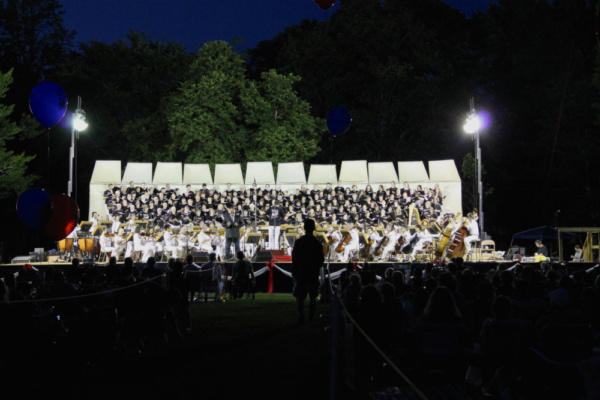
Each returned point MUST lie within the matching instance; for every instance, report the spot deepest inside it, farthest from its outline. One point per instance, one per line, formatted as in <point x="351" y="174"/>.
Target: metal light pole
<point x="78" y="124"/>
<point x="472" y="126"/>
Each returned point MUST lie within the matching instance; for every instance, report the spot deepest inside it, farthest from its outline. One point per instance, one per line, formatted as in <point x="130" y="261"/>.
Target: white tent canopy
<point x="137" y="173"/>
<point x="354" y="173"/>
<point x="105" y="172"/>
<point x="168" y="173"/>
<point x="260" y="173"/>
<point x="196" y="175"/>
<point x="321" y="175"/>
<point x="291" y="176"/>
<point x="382" y="173"/>
<point x="228" y="173"/>
<point x="445" y="174"/>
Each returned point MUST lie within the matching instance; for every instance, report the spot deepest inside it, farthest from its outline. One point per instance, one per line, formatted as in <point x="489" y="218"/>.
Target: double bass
<point x="445" y="240"/>
<point x="457" y="247"/>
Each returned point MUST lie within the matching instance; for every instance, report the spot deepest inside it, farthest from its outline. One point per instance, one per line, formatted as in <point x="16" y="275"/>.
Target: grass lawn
<point x="238" y="349"/>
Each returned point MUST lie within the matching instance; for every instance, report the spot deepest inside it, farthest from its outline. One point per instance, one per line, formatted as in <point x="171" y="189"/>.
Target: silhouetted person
<point x="242" y="271"/>
<point x="307" y="259"/>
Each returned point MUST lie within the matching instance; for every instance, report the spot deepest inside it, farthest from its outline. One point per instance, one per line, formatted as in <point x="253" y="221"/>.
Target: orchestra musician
<point x="184" y="241"/>
<point x="353" y="243"/>
<point x="170" y="242"/>
<point x="204" y="241"/>
<point x="135" y="245"/>
<point x="374" y="238"/>
<point x="473" y="228"/>
<point x="390" y="243"/>
<point x="423" y="239"/>
<point x="119" y="243"/>
<point x="335" y="235"/>
<point x="106" y="245"/>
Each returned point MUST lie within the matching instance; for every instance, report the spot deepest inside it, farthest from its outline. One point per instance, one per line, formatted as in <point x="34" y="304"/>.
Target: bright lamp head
<point x="472" y="124"/>
<point x="79" y="123"/>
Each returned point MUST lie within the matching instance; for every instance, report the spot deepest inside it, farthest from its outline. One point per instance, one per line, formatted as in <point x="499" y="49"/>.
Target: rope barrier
<point x="80" y="296"/>
<point x="370" y="341"/>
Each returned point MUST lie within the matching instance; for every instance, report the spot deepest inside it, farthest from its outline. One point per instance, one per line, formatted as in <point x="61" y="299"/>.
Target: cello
<point x="342" y="245"/>
<point x="384" y="242"/>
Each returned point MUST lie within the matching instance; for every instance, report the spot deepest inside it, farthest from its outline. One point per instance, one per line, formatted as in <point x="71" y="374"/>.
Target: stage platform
<point x="281" y="270"/>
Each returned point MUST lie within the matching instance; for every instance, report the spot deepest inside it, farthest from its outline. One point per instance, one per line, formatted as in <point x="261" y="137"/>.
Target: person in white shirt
<point x="388" y="243"/>
<point x="353" y="244"/>
<point x="578" y="256"/>
<point x="170" y="242"/>
<point x="336" y="237"/>
<point x="119" y="243"/>
<point x="473" y="228"/>
<point x="204" y="241"/>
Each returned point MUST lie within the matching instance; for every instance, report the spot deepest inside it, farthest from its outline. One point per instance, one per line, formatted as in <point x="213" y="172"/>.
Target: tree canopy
<point x="13" y="177"/>
<point x="219" y="115"/>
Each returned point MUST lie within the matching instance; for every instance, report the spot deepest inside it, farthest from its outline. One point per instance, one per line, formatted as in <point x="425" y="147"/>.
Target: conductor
<point x="307" y="259"/>
<point x="232" y="223"/>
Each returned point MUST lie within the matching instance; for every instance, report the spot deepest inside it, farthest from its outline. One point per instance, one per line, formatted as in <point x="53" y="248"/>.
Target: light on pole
<point x="78" y="124"/>
<point x="472" y="126"/>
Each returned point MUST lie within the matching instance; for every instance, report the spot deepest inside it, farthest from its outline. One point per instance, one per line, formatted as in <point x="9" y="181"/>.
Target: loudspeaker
<point x="262" y="256"/>
<point x="200" y="256"/>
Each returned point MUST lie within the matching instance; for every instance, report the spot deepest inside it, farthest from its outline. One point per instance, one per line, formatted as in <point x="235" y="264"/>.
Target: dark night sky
<point x="192" y="23"/>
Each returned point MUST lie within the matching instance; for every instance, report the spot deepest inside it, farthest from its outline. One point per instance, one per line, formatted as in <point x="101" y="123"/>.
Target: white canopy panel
<point x="168" y="173"/>
<point x="443" y="171"/>
<point x="291" y="176"/>
<point x="229" y="173"/>
<point x="412" y="172"/>
<point x="260" y="173"/>
<point x="105" y="172"/>
<point x="382" y="173"/>
<point x="196" y="175"/>
<point x="445" y="174"/>
<point x="137" y="173"/>
<point x="321" y="175"/>
<point x="354" y="173"/>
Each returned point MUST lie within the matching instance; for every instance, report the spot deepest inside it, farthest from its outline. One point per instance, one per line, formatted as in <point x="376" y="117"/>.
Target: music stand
<point x="107" y="225"/>
<point x="253" y="238"/>
<point x="85" y="226"/>
<point x="143" y="224"/>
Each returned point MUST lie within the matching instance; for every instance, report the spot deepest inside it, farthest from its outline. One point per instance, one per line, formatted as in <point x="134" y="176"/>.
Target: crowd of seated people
<point x="203" y="210"/>
<point x="518" y="332"/>
<point x="86" y="312"/>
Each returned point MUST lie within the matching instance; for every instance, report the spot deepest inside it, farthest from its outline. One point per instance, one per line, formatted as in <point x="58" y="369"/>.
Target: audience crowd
<point x="513" y="332"/>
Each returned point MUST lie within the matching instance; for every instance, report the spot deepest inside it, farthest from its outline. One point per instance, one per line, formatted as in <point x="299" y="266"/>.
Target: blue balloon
<point x="338" y="120"/>
<point x="48" y="103"/>
<point x="34" y="207"/>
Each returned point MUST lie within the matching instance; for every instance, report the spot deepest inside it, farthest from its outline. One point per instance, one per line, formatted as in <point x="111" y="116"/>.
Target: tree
<point x="33" y="41"/>
<point x="125" y="86"/>
<point x="397" y="66"/>
<point x="12" y="166"/>
<point x="221" y="116"/>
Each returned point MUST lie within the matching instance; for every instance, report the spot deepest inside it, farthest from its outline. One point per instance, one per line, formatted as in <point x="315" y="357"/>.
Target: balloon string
<point x="48" y="159"/>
